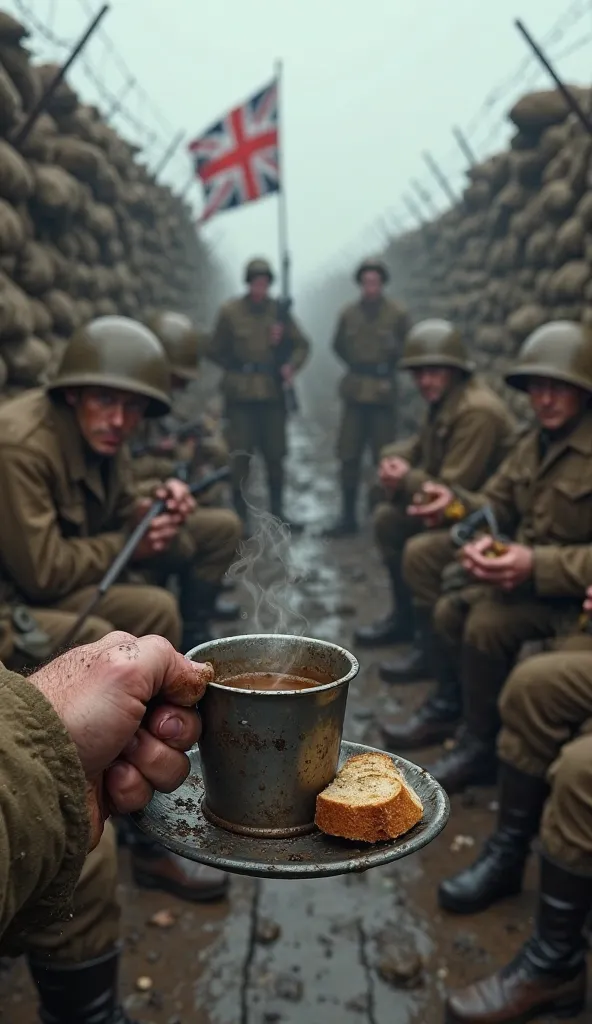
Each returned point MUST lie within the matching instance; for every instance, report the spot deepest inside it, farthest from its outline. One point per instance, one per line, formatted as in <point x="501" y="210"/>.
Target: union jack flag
<point x="237" y="158"/>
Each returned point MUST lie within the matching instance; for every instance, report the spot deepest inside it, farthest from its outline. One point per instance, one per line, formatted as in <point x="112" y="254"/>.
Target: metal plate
<point x="176" y="820"/>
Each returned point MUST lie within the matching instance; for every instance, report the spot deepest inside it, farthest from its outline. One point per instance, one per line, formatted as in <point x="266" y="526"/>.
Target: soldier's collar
<point x="580" y="437"/>
<point x="70" y="440"/>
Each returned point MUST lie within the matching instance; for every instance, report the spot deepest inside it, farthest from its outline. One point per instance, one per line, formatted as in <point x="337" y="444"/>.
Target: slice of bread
<point x="368" y="800"/>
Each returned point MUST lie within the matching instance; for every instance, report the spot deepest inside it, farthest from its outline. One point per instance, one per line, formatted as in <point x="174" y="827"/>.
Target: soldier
<point x="368" y="339"/>
<point x="466" y="432"/>
<point x="541" y="497"/>
<point x="246" y="344"/>
<point x="214" y="533"/>
<point x="59" y="781"/>
<point x="545" y="749"/>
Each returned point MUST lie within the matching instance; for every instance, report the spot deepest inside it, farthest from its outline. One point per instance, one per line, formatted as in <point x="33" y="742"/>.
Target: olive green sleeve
<point x="300" y="345"/>
<point x="471" y="447"/>
<point x="562" y="571"/>
<point x="339" y="339"/>
<point x="219" y="347"/>
<point x="44" y="828"/>
<point x="498" y="492"/>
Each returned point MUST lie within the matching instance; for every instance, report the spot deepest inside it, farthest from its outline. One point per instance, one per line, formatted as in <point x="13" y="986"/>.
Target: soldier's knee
<point x="523" y="690"/>
<point x="422" y="560"/>
<point x="95" y="628"/>
<point x="449" y="619"/>
<point x="160" y="613"/>
<point x="387" y="521"/>
<point x="484" y="629"/>
<point x="572" y="772"/>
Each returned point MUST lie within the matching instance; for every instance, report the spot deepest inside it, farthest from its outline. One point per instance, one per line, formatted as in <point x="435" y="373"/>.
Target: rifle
<point x="284" y="349"/>
<point x="484" y="518"/>
<point x="120" y="562"/>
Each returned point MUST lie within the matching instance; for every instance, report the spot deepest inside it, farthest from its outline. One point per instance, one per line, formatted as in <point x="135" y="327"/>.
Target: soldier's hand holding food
<point x="588" y="601"/>
<point x="179" y="500"/>
<point x="507" y="570"/>
<point x="392" y="471"/>
<point x="431" y="503"/>
<point x="101" y="692"/>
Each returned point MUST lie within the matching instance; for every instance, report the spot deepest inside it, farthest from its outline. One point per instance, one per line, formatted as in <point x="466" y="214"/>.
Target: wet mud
<point x="371" y="948"/>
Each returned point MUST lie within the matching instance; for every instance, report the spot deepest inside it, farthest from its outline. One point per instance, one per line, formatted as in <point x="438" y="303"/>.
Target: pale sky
<point x="367" y="88"/>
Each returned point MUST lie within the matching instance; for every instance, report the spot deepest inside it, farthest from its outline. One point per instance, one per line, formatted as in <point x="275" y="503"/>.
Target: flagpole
<point x="284" y="252"/>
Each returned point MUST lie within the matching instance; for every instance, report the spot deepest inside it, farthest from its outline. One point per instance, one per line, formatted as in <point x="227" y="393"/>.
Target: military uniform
<point x="255" y="402"/>
<point x="368" y="339"/>
<point x="461" y="442"/>
<point x="545" y="749"/>
<point x="541" y="498"/>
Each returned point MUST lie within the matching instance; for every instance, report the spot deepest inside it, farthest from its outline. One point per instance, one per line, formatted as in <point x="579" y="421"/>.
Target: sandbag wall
<point x="517" y="250"/>
<point x="85" y="230"/>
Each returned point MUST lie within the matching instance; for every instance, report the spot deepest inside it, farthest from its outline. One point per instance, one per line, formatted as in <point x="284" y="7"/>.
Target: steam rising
<point x="268" y="572"/>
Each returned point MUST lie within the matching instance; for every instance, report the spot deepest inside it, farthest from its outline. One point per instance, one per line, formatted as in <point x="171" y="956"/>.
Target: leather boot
<point x="437" y="718"/>
<point x="156" y="868"/>
<point x="548" y="976"/>
<point x="417" y="664"/>
<point x="276" y="507"/>
<point x="79" y="993"/>
<point x="473" y="759"/>
<point x="197" y="599"/>
<point x="347" y="526"/>
<point x="398" y="626"/>
<point x="499" y="868"/>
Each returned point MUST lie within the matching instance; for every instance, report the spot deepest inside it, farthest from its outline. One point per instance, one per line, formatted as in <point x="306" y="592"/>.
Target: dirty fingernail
<point x="171" y="729"/>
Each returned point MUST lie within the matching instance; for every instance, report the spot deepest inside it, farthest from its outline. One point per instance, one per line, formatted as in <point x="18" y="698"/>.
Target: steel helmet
<point x="372" y="263"/>
<point x="560" y="350"/>
<point x="258" y="268"/>
<point x="116" y="352"/>
<point x="181" y="341"/>
<point x="435" y="343"/>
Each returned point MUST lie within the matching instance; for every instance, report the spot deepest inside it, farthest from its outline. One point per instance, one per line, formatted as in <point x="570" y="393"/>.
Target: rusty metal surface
<point x="177" y="821"/>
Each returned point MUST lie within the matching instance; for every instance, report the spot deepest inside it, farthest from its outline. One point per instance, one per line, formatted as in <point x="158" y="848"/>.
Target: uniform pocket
<point x="571" y="510"/>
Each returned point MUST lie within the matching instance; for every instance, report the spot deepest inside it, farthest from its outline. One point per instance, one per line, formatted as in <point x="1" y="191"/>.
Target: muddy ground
<point x="366" y="949"/>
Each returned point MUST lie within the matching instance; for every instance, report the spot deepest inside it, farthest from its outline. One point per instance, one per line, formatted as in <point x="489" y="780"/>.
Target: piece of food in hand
<point x="497" y="549"/>
<point x="190" y="685"/>
<point x="368" y="800"/>
<point x="455" y="511"/>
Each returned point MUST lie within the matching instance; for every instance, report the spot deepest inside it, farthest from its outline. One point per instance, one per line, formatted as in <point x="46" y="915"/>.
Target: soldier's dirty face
<point x="259" y="288"/>
<point x="106" y="416"/>
<point x="371" y="285"/>
<point x="433" y="382"/>
<point x="555" y="404"/>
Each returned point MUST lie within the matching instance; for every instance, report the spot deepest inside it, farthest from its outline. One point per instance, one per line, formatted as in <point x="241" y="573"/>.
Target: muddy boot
<point x="156" y="868"/>
<point x="197" y="599"/>
<point x="499" y="869"/>
<point x="437" y="718"/>
<point x="473" y="759"/>
<point x="416" y="665"/>
<point x="79" y="993"/>
<point x="276" y="507"/>
<point x="347" y="526"/>
<point x="548" y="976"/>
<point x="398" y="626"/>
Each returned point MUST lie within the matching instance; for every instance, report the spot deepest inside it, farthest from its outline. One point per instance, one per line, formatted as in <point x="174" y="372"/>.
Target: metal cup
<point x="267" y="754"/>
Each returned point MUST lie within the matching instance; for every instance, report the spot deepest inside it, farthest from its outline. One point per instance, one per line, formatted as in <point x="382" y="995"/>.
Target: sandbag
<point x="539" y="110"/>
<point x="569" y="281"/>
<point x="63" y="310"/>
<point x="11" y="105"/>
<point x="27" y="360"/>
<point x="11" y="30"/>
<point x="16" y="316"/>
<point x="42" y="318"/>
<point x="557" y="199"/>
<point x="25" y="77"/>
<point x="12" y="230"/>
<point x="526" y="319"/>
<point x="81" y="159"/>
<point x="16" y="179"/>
<point x="101" y="220"/>
<point x="569" y="240"/>
<point x="57" y="193"/>
<point x="64" y="100"/>
<point x="35" y="271"/>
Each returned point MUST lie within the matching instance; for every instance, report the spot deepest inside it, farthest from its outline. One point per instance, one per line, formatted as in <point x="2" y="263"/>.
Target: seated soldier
<point x="466" y="433"/>
<point x="212" y="534"/>
<point x="545" y="750"/>
<point x="541" y="497"/>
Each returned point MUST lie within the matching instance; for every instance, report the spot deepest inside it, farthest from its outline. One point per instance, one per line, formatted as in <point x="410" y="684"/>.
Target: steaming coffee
<point x="271" y="681"/>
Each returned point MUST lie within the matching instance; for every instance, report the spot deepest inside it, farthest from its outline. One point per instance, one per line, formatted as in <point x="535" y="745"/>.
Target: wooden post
<point x="568" y="96"/>
<point x="44" y="99"/>
<point x="440" y="177"/>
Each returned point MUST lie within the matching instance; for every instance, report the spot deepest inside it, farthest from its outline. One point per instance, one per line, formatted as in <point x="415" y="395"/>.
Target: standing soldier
<point x="260" y="352"/>
<point x="368" y="339"/>
<point x="531" y="586"/>
<point x="466" y="433"/>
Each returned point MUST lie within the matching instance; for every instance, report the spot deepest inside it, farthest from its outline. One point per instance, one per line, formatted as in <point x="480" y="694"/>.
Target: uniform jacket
<point x="369" y="340"/>
<point x="462" y="440"/>
<point x="65" y="513"/>
<point x="545" y="502"/>
<point x="241" y="344"/>
<point x="44" y="828"/>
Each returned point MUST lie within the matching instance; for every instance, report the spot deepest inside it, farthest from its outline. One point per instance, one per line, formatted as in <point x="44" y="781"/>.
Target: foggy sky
<point x="367" y="87"/>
